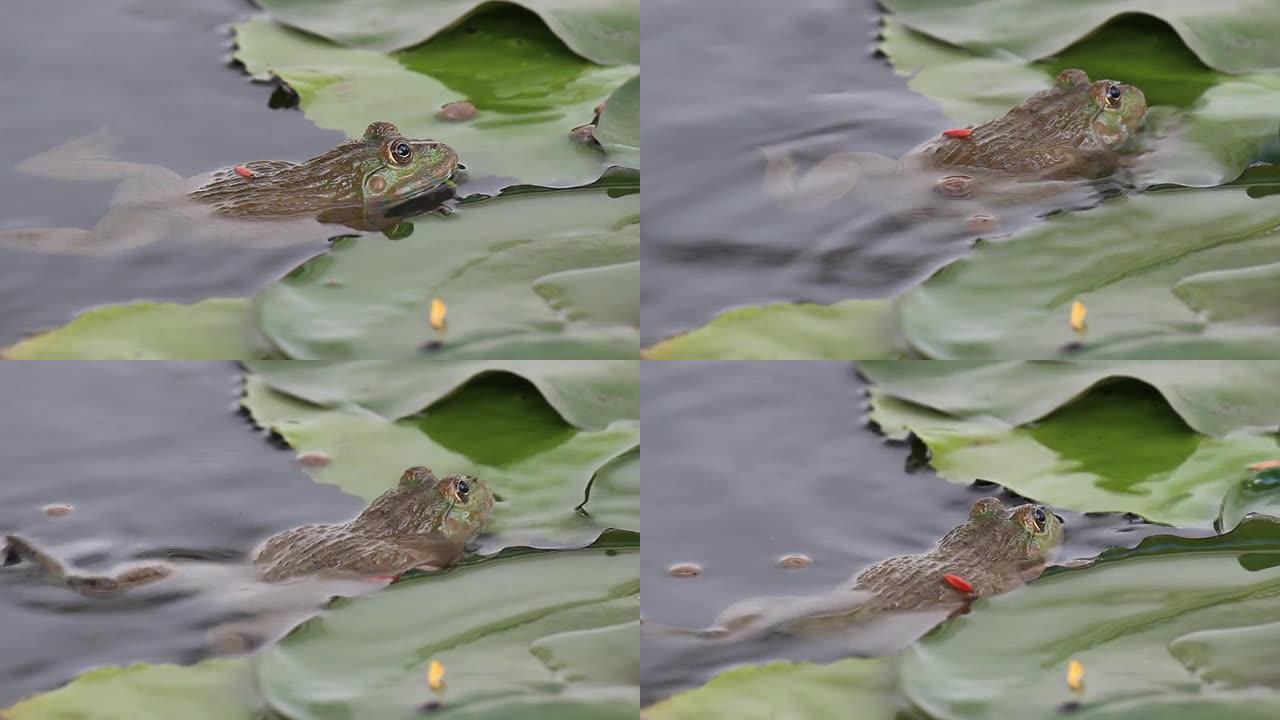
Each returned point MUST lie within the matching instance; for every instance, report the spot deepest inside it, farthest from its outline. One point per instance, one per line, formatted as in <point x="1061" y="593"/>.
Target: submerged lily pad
<point x="370" y="297"/>
<point x="1213" y="397"/>
<point x="605" y="31"/>
<point x="508" y="631"/>
<point x="1204" y="127"/>
<point x="1234" y="37"/>
<point x="854" y="329"/>
<point x="1118" y="448"/>
<point x="498" y="428"/>
<point x="1124" y="260"/>
<point x="210" y="690"/>
<point x="589" y="394"/>
<point x="788" y="691"/>
<point x="527" y="89"/>
<point x="215" y="329"/>
<point x="1148" y="624"/>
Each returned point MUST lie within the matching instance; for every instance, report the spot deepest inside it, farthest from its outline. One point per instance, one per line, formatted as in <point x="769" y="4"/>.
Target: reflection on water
<point x="749" y="461"/>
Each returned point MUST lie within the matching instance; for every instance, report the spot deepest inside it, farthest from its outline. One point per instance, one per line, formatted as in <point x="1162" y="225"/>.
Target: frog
<point x="1076" y="130"/>
<point x="369" y="184"/>
<point x="995" y="550"/>
<point x="423" y="523"/>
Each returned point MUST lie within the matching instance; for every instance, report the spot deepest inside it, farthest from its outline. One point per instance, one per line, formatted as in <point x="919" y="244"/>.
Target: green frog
<point x="361" y="184"/>
<point x="1073" y="131"/>
<point x="423" y="523"/>
<point x="995" y="550"/>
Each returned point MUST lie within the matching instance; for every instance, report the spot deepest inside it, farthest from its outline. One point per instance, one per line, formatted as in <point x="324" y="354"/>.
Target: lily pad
<point x="1124" y="261"/>
<point x="788" y="691"/>
<point x="1213" y="397"/>
<point x="1204" y="127"/>
<point x="619" y="130"/>
<point x="606" y="31"/>
<point x="1256" y="492"/>
<point x="1118" y="448"/>
<point x="587" y="393"/>
<point x="370" y="297"/>
<point x="215" y="329"/>
<point x="1233" y="37"/>
<point x="508" y="632"/>
<point x="1145" y="623"/>
<point x="210" y="690"/>
<point x="527" y="89"/>
<point x="498" y="428"/>
<point x="851" y="329"/>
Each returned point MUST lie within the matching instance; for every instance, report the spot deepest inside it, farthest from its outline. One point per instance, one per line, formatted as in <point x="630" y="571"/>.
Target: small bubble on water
<point x="794" y="561"/>
<point x="685" y="570"/>
<point x="57" y="509"/>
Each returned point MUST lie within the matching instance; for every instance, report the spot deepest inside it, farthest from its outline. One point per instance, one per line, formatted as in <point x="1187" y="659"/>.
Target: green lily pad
<point x="1233" y="37"/>
<point x="606" y="32"/>
<point x="619" y="130"/>
<point x="588" y="394"/>
<point x="1256" y="492"/>
<point x="788" y="691"/>
<point x="1204" y="127"/>
<point x="1118" y="448"/>
<point x="606" y="294"/>
<point x="1137" y="621"/>
<point x="210" y="690"/>
<point x="370" y="297"/>
<point x="508" y="631"/>
<point x="1213" y="397"/>
<point x="498" y="428"/>
<point x="529" y="92"/>
<point x="1123" y="260"/>
<point x="846" y="330"/>
<point x="215" y="329"/>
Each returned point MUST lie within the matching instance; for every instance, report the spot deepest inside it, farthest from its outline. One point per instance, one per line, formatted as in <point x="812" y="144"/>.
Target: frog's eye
<point x="464" y="489"/>
<point x="1039" y="518"/>
<point x="401" y="152"/>
<point x="1113" y="94"/>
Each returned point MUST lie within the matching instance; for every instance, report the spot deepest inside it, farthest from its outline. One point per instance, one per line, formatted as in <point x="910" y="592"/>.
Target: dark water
<point x="155" y="72"/>
<point x="155" y="458"/>
<point x="748" y="461"/>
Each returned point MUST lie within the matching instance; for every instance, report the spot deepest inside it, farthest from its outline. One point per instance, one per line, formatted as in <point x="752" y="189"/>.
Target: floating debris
<point x="438" y="310"/>
<point x="457" y="111"/>
<point x="1264" y="465"/>
<point x="794" y="561"/>
<point x="57" y="509"/>
<point x="958" y="132"/>
<point x="685" y="570"/>
<point x="435" y="676"/>
<point x="958" y="583"/>
<point x="583" y="133"/>
<point x="313" y="459"/>
<point x="243" y="171"/>
<point x="982" y="222"/>
<point x="1075" y="675"/>
<point x="1078" y="314"/>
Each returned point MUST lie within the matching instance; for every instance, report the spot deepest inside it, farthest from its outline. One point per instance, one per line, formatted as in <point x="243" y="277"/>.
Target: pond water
<point x="748" y="461"/>
<point x="157" y="74"/>
<point x="156" y="460"/>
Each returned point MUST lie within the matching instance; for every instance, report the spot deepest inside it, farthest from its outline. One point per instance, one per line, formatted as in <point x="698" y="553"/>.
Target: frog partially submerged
<point x="423" y="523"/>
<point x="1072" y="131"/>
<point x="361" y="183"/>
<point x="993" y="551"/>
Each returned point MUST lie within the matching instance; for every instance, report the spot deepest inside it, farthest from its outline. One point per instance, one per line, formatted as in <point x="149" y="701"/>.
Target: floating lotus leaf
<point x="1150" y="626"/>
<point x="371" y="297"/>
<point x="560" y="486"/>
<point x="529" y="92"/>
<point x="508" y="631"/>
<point x="603" y="31"/>
<point x="589" y="394"/>
<point x="1234" y="37"/>
<point x="801" y="331"/>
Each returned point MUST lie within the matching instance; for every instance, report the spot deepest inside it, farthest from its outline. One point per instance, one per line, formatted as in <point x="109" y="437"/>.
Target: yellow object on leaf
<point x="435" y="675"/>
<point x="1075" y="675"/>
<point x="438" y="310"/>
<point x="1078" y="313"/>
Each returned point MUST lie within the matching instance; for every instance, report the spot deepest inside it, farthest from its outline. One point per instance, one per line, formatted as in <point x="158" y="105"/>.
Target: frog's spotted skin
<point x="1075" y="130"/>
<point x="995" y="550"/>
<point x="422" y="523"/>
<point x="362" y="184"/>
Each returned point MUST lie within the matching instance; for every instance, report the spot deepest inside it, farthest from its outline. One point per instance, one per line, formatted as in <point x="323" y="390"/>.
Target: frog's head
<point x="1028" y="534"/>
<point x="1115" y="112"/>
<point x="396" y="169"/>
<point x="455" y="507"/>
